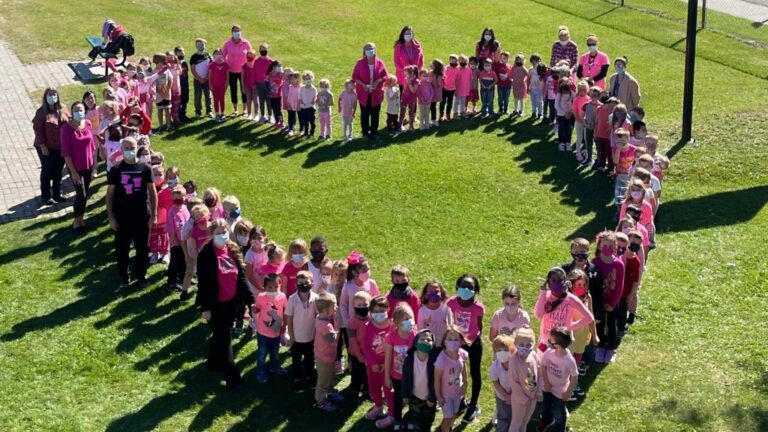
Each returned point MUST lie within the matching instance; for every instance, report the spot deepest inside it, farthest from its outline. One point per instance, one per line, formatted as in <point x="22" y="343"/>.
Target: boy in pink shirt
<point x="402" y="292"/>
<point x="449" y="86"/>
<point x="261" y="65"/>
<point x="559" y="373"/>
<point x="326" y="337"/>
<point x="504" y="73"/>
<point x="356" y="332"/>
<point x="463" y="81"/>
<point x="177" y="216"/>
<point x="267" y="318"/>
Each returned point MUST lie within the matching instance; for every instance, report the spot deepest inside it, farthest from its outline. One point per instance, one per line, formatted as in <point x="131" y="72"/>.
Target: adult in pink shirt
<point x="556" y="307"/>
<point x="77" y="148"/>
<point x="594" y="64"/>
<point x="369" y="75"/>
<point x="488" y="47"/>
<point x="407" y="52"/>
<point x="234" y="51"/>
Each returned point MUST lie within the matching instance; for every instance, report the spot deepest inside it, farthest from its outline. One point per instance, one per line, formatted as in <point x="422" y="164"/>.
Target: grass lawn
<point x="493" y="198"/>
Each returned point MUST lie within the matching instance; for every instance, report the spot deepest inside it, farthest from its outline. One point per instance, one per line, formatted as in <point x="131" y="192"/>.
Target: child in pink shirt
<point x="356" y="333"/>
<point x="434" y="315"/>
<point x="612" y="269"/>
<point x="267" y="320"/>
<point x="374" y="341"/>
<point x="511" y="316"/>
<point x="396" y="347"/>
<point x="326" y="337"/>
<point x="437" y="77"/>
<point x="297" y="253"/>
<point x="275" y="82"/>
<point x="582" y="98"/>
<point x="262" y="65"/>
<point x="520" y="84"/>
<point x="559" y="372"/>
<point x="463" y="82"/>
<point x="402" y="292"/>
<point x="249" y="86"/>
<point x="158" y="237"/>
<point x="424" y="99"/>
<point x="218" y="75"/>
<point x="347" y="108"/>
<point x="556" y="307"/>
<point x="255" y="258"/>
<point x="474" y="94"/>
<point x="504" y="85"/>
<point x="524" y="382"/>
<point x="358" y="279"/>
<point x="293" y="101"/>
<point x="449" y="86"/>
<point x="408" y="100"/>
<point x="177" y="216"/>
<point x="451" y="377"/>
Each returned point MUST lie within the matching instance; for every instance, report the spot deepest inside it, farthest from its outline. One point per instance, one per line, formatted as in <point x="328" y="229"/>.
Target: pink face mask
<point x="606" y="250"/>
<point x="364" y="276"/>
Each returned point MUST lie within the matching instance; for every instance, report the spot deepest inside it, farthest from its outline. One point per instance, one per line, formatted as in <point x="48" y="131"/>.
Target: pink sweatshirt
<point x="362" y="73"/>
<point x="562" y="316"/>
<point x="449" y="79"/>
<point x="261" y="65"/>
<point x="464" y="76"/>
<point x="374" y="340"/>
<point x="406" y="56"/>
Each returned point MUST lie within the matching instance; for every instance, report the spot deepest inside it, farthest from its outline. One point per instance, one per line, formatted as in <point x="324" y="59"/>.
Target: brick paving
<point x="19" y="164"/>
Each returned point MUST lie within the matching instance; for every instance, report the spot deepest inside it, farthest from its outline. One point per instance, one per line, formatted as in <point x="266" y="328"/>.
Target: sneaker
<point x="237" y="330"/>
<point x="326" y="406"/>
<point x="234" y="114"/>
<point x="335" y="396"/>
<point x="610" y="356"/>
<point x="165" y="259"/>
<point x="261" y="378"/>
<point x="631" y="319"/>
<point x="385" y="422"/>
<point x="153" y="259"/>
<point x="184" y="296"/>
<point x="280" y="371"/>
<point x="59" y="199"/>
<point x="579" y="157"/>
<point x="173" y="287"/>
<point x="374" y="413"/>
<point x="209" y="115"/>
<point x="578" y="391"/>
<point x="600" y="355"/>
<point x="290" y="133"/>
<point x="586" y="161"/>
<point x="141" y="282"/>
<point x="263" y="120"/>
<point x="583" y="368"/>
<point x="471" y="415"/>
<point x="124" y="283"/>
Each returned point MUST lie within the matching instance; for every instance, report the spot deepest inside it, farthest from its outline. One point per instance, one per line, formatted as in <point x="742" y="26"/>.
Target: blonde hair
<point x="114" y="106"/>
<point x="453" y="57"/>
<point x="582" y="86"/>
<point x="402" y="310"/>
<point x="298" y="246"/>
<point x="464" y="58"/>
<point x="230" y="202"/>
<point x="173" y="170"/>
<point x="662" y="160"/>
<point x="324" y="302"/>
<point x="362" y="295"/>
<point x="524" y="333"/>
<point x="213" y="193"/>
<point x="304" y="274"/>
<point x="218" y="223"/>
<point x="198" y="211"/>
<point x="308" y="73"/>
<point x="620" y="236"/>
<point x="607" y="236"/>
<point x="504" y="343"/>
<point x="243" y="227"/>
<point x="563" y="30"/>
<point x="325" y="83"/>
<point x="621" y="132"/>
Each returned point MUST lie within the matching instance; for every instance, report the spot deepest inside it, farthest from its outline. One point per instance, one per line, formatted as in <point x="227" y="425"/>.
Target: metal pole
<point x="703" y="13"/>
<point x="690" y="65"/>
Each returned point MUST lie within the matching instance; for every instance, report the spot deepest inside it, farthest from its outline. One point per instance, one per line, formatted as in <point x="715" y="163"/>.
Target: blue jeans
<point x="549" y="105"/>
<point x="486" y="95"/>
<point x="504" y="98"/>
<point x="564" y="129"/>
<point x="536" y="101"/>
<point x="267" y="346"/>
<point x="553" y="408"/>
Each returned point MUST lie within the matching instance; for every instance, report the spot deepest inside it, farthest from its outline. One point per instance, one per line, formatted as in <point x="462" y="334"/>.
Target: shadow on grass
<point x="710" y="211"/>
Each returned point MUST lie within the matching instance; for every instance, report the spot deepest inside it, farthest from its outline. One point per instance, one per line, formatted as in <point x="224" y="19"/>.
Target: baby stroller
<point x="115" y="39"/>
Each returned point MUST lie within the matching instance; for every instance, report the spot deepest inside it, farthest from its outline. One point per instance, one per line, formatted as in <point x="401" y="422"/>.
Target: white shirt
<point x="308" y="96"/>
<point x="303" y="317"/>
<point x="497" y="373"/>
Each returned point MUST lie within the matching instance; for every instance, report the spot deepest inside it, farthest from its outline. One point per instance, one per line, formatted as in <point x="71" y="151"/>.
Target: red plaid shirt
<point x="568" y="52"/>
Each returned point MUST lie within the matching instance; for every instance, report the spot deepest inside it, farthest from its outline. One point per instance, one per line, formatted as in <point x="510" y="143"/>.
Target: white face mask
<point x="487" y="38"/>
<point x="327" y="279"/>
<point x="564" y="43"/>
<point x="242" y="240"/>
<point x="502" y="356"/>
<point x="408" y="37"/>
<point x="592" y="48"/>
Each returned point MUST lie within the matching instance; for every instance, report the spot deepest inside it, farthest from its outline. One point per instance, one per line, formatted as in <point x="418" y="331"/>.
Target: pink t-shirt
<point x="249" y="75"/>
<point x="436" y="320"/>
<point x="218" y="74"/>
<point x="174" y="222"/>
<point x="578" y="107"/>
<point x="356" y="333"/>
<point x="425" y="92"/>
<point x="464" y="76"/>
<point x="261" y="64"/>
<point x="613" y="279"/>
<point x="466" y="318"/>
<point x="504" y="74"/>
<point x="452" y="379"/>
<point x="413" y="301"/>
<point x="217" y="212"/>
<point x="562" y="315"/>
<point x="227" y="274"/>
<point x="374" y="339"/>
<point x="449" y="78"/>
<point x="523" y="373"/>
<point x="504" y="326"/>
<point x="290" y="271"/>
<point x="590" y="66"/>
<point x="269" y="319"/>
<point x="560" y="371"/>
<point x="347" y="306"/>
<point x="409" y="96"/>
<point x="625" y="159"/>
<point x="646" y="214"/>
<point x="347" y="102"/>
<point x="400" y="348"/>
<point x="256" y="260"/>
<point x="78" y="144"/>
<point x="303" y="314"/>
<point x="497" y="373"/>
<point x="519" y="82"/>
<point x="201" y="236"/>
<point x="234" y="53"/>
<point x="294" y="98"/>
<point x="325" y="348"/>
<point x="437" y="87"/>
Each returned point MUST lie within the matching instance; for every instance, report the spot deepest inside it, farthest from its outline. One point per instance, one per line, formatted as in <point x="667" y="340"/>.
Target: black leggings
<point x="81" y="192"/>
<point x="433" y="111"/>
<point x="447" y="100"/>
<point x="275" y="102"/>
<point x="303" y="361"/>
<point x="234" y="79"/>
<point x="475" y="352"/>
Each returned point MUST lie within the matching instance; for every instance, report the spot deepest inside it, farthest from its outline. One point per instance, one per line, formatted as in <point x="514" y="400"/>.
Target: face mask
<point x="487" y="68"/>
<point x="434" y="297"/>
<point x="297" y="258"/>
<point x="242" y="240"/>
<point x="523" y="350"/>
<point x="502" y="356"/>
<point x="454" y="64"/>
<point x="563" y="43"/>
<point x="636" y="195"/>
<point x="452" y="345"/>
<point x="113" y="84"/>
<point x="580" y="291"/>
<point x="327" y="280"/>
<point x="279" y="70"/>
<point x="364" y="276"/>
<point x="465" y="293"/>
<point x="304" y="287"/>
<point x="308" y="82"/>
<point x="579" y="256"/>
<point x="200" y="47"/>
<point x="517" y="64"/>
<point x="362" y="312"/>
<point x="318" y="255"/>
<point x="52" y="99"/>
<point x="178" y="201"/>
<point x="641" y="135"/>
<point x="634" y="247"/>
<point x="620" y="250"/>
<point x="263" y="52"/>
<point x="592" y="48"/>
<point x="512" y="309"/>
<point x="234" y="214"/>
<point x="172" y="182"/>
<point x="236" y="34"/>
<point x="209" y="202"/>
<point x="400" y="286"/>
<point x="379" y="316"/>
<point x="272" y="293"/>
<point x="78" y="116"/>
<point x="619" y="70"/>
<point x="220" y="239"/>
<point x="202" y="222"/>
<point x="129" y="154"/>
<point x="158" y="181"/>
<point x="487" y="38"/>
<point x="407" y="325"/>
<point x="370" y="52"/>
<point x="256" y="245"/>
<point x="620" y="116"/>
<point x="217" y="57"/>
<point x="463" y="64"/>
<point x="606" y="250"/>
<point x="424" y="347"/>
<point x="557" y="288"/>
<point x="408" y="37"/>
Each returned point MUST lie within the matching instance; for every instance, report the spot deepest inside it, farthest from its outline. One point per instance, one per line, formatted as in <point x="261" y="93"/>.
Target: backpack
<point x="127" y="44"/>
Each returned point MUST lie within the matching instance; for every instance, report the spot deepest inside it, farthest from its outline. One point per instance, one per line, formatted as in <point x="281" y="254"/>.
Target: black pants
<point x="398" y="408"/>
<point x="184" y="102"/>
<point x="236" y="78"/>
<point x="275" y="102"/>
<point x="81" y="192"/>
<point x="433" y="111"/>
<point x="549" y="104"/>
<point x="475" y="352"/>
<point x="200" y="90"/>
<point x="342" y="342"/>
<point x="420" y="414"/>
<point x="359" y="379"/>
<point x="292" y="119"/>
<point x="607" y="330"/>
<point x="132" y="229"/>
<point x="303" y="361"/>
<point x="50" y="173"/>
<point x="621" y="315"/>
<point x="177" y="267"/>
<point x="220" y="355"/>
<point x="393" y="125"/>
<point x="565" y="129"/>
<point x="553" y="409"/>
<point x="369" y="118"/>
<point x="447" y="101"/>
<point x="307" y="121"/>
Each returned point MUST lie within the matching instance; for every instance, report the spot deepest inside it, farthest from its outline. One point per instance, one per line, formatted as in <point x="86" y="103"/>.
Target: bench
<point x="96" y="42"/>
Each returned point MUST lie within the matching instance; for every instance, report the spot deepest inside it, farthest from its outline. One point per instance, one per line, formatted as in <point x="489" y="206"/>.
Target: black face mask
<point x="180" y="57"/>
<point x="454" y="64"/>
<point x="579" y="256"/>
<point x="620" y="250"/>
<point x="304" y="287"/>
<point x="263" y="53"/>
<point x="210" y="202"/>
<point x="318" y="255"/>
<point x="634" y="247"/>
<point x="518" y="63"/>
<point x="400" y="286"/>
<point x="463" y="64"/>
<point x="362" y="312"/>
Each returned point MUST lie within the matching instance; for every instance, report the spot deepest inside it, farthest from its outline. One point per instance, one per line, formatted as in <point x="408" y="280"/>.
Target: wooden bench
<point x="96" y="42"/>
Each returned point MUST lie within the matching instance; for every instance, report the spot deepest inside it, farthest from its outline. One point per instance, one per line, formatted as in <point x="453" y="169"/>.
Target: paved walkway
<point x="753" y="10"/>
<point x="19" y="164"/>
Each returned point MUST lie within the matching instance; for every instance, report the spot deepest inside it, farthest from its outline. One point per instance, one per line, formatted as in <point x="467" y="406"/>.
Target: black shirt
<point x="197" y="58"/>
<point x="130" y="181"/>
<point x="595" y="286"/>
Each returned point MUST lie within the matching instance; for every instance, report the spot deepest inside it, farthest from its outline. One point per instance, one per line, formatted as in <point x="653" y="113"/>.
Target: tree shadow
<point x="710" y="211"/>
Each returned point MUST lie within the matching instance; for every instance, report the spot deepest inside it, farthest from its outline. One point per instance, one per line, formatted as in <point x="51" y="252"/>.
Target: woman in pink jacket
<point x="407" y="52"/>
<point x="369" y="75"/>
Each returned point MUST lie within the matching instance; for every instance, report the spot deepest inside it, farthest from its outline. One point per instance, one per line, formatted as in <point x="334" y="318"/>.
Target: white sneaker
<point x="165" y="259"/>
<point x="374" y="413"/>
<point x="610" y="356"/>
<point x="153" y="260"/>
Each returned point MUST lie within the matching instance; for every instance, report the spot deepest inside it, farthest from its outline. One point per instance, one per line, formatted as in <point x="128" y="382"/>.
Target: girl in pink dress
<point x="519" y="84"/>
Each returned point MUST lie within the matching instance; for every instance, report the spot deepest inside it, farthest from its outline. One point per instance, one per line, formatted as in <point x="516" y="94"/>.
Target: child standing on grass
<point x="564" y="108"/>
<point x="408" y="100"/>
<point x="275" y="82"/>
<point x="463" y="81"/>
<point x="287" y="74"/>
<point x="556" y="307"/>
<point x="488" y="81"/>
<point x="579" y="103"/>
<point x="184" y="82"/>
<point x="603" y="132"/>
<point x="436" y="76"/>
<point x="498" y="374"/>
<point x="324" y="104"/>
<point x="550" y="92"/>
<point x="623" y="156"/>
<point x="504" y="73"/>
<point x="590" y="123"/>
<point x="536" y="79"/>
<point x="419" y="383"/>
<point x="356" y="332"/>
<point x="308" y="99"/>
<point x="392" y="93"/>
<point x="474" y="93"/>
<point x="401" y="291"/>
<point x="559" y="373"/>
<point x="582" y="336"/>
<point x="158" y="237"/>
<point x="434" y="314"/>
<point x="451" y="377"/>
<point x="612" y="269"/>
<point x="374" y="340"/>
<point x="255" y="257"/>
<point x="297" y="252"/>
<point x="249" y="86"/>
<point x="175" y="69"/>
<point x="448" y="86"/>
<point x="424" y="99"/>
<point x="218" y="76"/>
<point x="176" y="217"/>
<point x="524" y="383"/>
<point x="520" y="84"/>
<point x="162" y="79"/>
<point x="511" y="316"/>
<point x="347" y="108"/>
<point x="358" y="278"/>
<point x="326" y="337"/>
<point x="396" y="346"/>
<point x="267" y="320"/>
<point x="300" y="315"/>
<point x="292" y="100"/>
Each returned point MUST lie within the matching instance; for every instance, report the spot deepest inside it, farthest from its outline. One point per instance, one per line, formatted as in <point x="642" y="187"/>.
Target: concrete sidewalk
<point x="753" y="10"/>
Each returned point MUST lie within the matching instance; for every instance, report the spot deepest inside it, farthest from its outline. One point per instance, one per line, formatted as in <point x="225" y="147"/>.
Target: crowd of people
<point x="413" y="349"/>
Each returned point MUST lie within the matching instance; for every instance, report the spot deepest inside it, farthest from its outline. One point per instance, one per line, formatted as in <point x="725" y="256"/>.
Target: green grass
<point x="491" y="198"/>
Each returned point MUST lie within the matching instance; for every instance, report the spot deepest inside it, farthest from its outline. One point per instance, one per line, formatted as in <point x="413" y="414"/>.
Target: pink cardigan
<point x="362" y="73"/>
<point x="402" y="60"/>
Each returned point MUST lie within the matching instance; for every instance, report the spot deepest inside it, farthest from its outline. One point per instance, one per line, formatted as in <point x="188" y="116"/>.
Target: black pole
<point x="704" y="14"/>
<point x="690" y="65"/>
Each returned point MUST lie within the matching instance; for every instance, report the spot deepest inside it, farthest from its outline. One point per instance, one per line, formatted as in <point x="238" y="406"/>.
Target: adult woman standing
<point x="564" y="48"/>
<point x="46" y="124"/>
<point x="369" y="75"/>
<point x="77" y="148"/>
<point x="594" y="64"/>
<point x="624" y="86"/>
<point x="488" y="47"/>
<point x="234" y="50"/>
<point x="221" y="288"/>
<point x="407" y="52"/>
